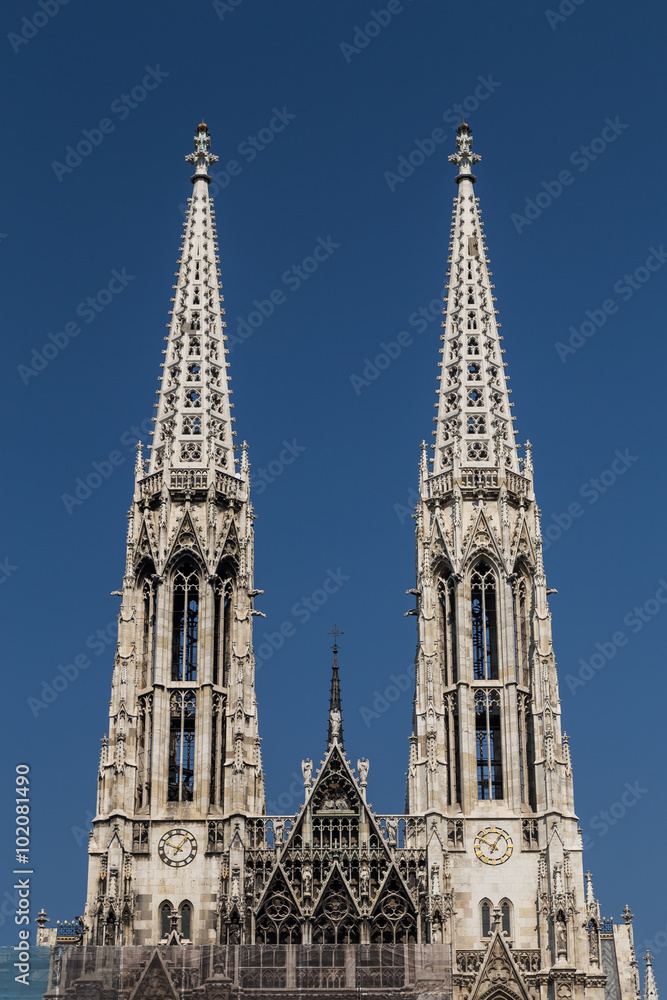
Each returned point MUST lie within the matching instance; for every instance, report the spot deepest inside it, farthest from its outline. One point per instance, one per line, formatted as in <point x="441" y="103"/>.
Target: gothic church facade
<point x="478" y="890"/>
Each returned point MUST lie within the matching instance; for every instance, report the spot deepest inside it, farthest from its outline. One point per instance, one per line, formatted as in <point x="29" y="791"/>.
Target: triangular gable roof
<point x="499" y="975"/>
<point x="187" y="536"/>
<point x="155" y="982"/>
<point x="351" y="791"/>
<point x="399" y="887"/>
<point x="336" y="872"/>
<point x="482" y="537"/>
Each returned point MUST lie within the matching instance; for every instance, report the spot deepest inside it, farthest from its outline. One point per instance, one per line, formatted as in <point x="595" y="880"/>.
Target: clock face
<point x="177" y="848"/>
<point x="493" y="846"/>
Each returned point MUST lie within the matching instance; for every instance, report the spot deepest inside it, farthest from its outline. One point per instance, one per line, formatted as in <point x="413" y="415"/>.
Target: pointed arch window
<point x="217" y="748"/>
<point x="485" y="913"/>
<point x="521" y="631"/>
<point x="165" y="919"/>
<point x="448" y="629"/>
<point x="180" y="784"/>
<point x="186" y="920"/>
<point x="185" y="624"/>
<point x="484" y="624"/>
<point x="488" y="745"/>
<point x="144" y="749"/>
<point x="506" y="917"/>
<point x="148" y="643"/>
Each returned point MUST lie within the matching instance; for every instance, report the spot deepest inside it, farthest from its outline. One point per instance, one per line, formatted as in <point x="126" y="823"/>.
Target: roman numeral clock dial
<point x="493" y="846"/>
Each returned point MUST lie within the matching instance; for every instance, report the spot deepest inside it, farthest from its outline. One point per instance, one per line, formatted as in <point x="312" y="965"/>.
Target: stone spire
<point x="335" y="733"/>
<point x="650" y="988"/>
<point x="193" y="429"/>
<point x="183" y="738"/>
<point x="474" y="423"/>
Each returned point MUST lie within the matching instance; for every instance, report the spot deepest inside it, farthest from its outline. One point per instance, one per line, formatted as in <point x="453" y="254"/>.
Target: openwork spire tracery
<point x="194" y="424"/>
<point x="474" y="423"/>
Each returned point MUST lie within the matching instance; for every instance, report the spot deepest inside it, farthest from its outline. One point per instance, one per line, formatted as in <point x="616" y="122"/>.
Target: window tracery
<point x="488" y="744"/>
<point x="185" y="623"/>
<point x="476" y="424"/>
<point x="447" y="591"/>
<point x="182" y="710"/>
<point x="478" y="451"/>
<point x="484" y="623"/>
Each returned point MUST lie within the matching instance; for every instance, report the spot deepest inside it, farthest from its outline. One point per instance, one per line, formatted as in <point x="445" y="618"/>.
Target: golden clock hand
<point x="495" y="843"/>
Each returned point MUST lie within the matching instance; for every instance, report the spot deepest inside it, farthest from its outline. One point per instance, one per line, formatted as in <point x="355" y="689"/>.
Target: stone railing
<point x="270" y="831"/>
<point x="194" y="479"/>
<point x="528" y="961"/>
<point x="475" y="479"/>
<point x="403" y="831"/>
<point x="469" y="961"/>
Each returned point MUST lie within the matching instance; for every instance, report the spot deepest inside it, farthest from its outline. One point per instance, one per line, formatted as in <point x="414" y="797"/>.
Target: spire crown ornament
<point x="464" y="158"/>
<point x="202" y="158"/>
<point x="335" y="734"/>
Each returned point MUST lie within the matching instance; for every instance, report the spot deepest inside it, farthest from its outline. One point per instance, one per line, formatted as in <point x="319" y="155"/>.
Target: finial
<point x="590" y="895"/>
<point x="528" y="461"/>
<point x="423" y="464"/>
<point x="201" y="158"/>
<point x="464" y="158"/>
<point x="335" y="734"/>
<point x="650" y="990"/>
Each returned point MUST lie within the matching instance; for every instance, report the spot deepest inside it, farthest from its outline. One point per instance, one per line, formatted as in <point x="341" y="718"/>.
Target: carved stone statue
<point x="364" y="881"/>
<point x="561" y="936"/>
<point x="307" y="771"/>
<point x="362" y="771"/>
<point x="307" y="880"/>
<point x="335" y="721"/>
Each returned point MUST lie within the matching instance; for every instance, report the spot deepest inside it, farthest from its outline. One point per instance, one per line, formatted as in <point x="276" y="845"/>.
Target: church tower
<point x="477" y="891"/>
<point x="490" y="766"/>
<point x="182" y="756"/>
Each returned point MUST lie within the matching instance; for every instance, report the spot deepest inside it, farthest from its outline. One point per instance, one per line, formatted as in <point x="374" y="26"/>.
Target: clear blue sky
<point x="351" y="114"/>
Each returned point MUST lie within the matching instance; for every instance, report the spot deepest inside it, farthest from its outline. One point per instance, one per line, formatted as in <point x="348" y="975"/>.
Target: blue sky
<point x="567" y="111"/>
